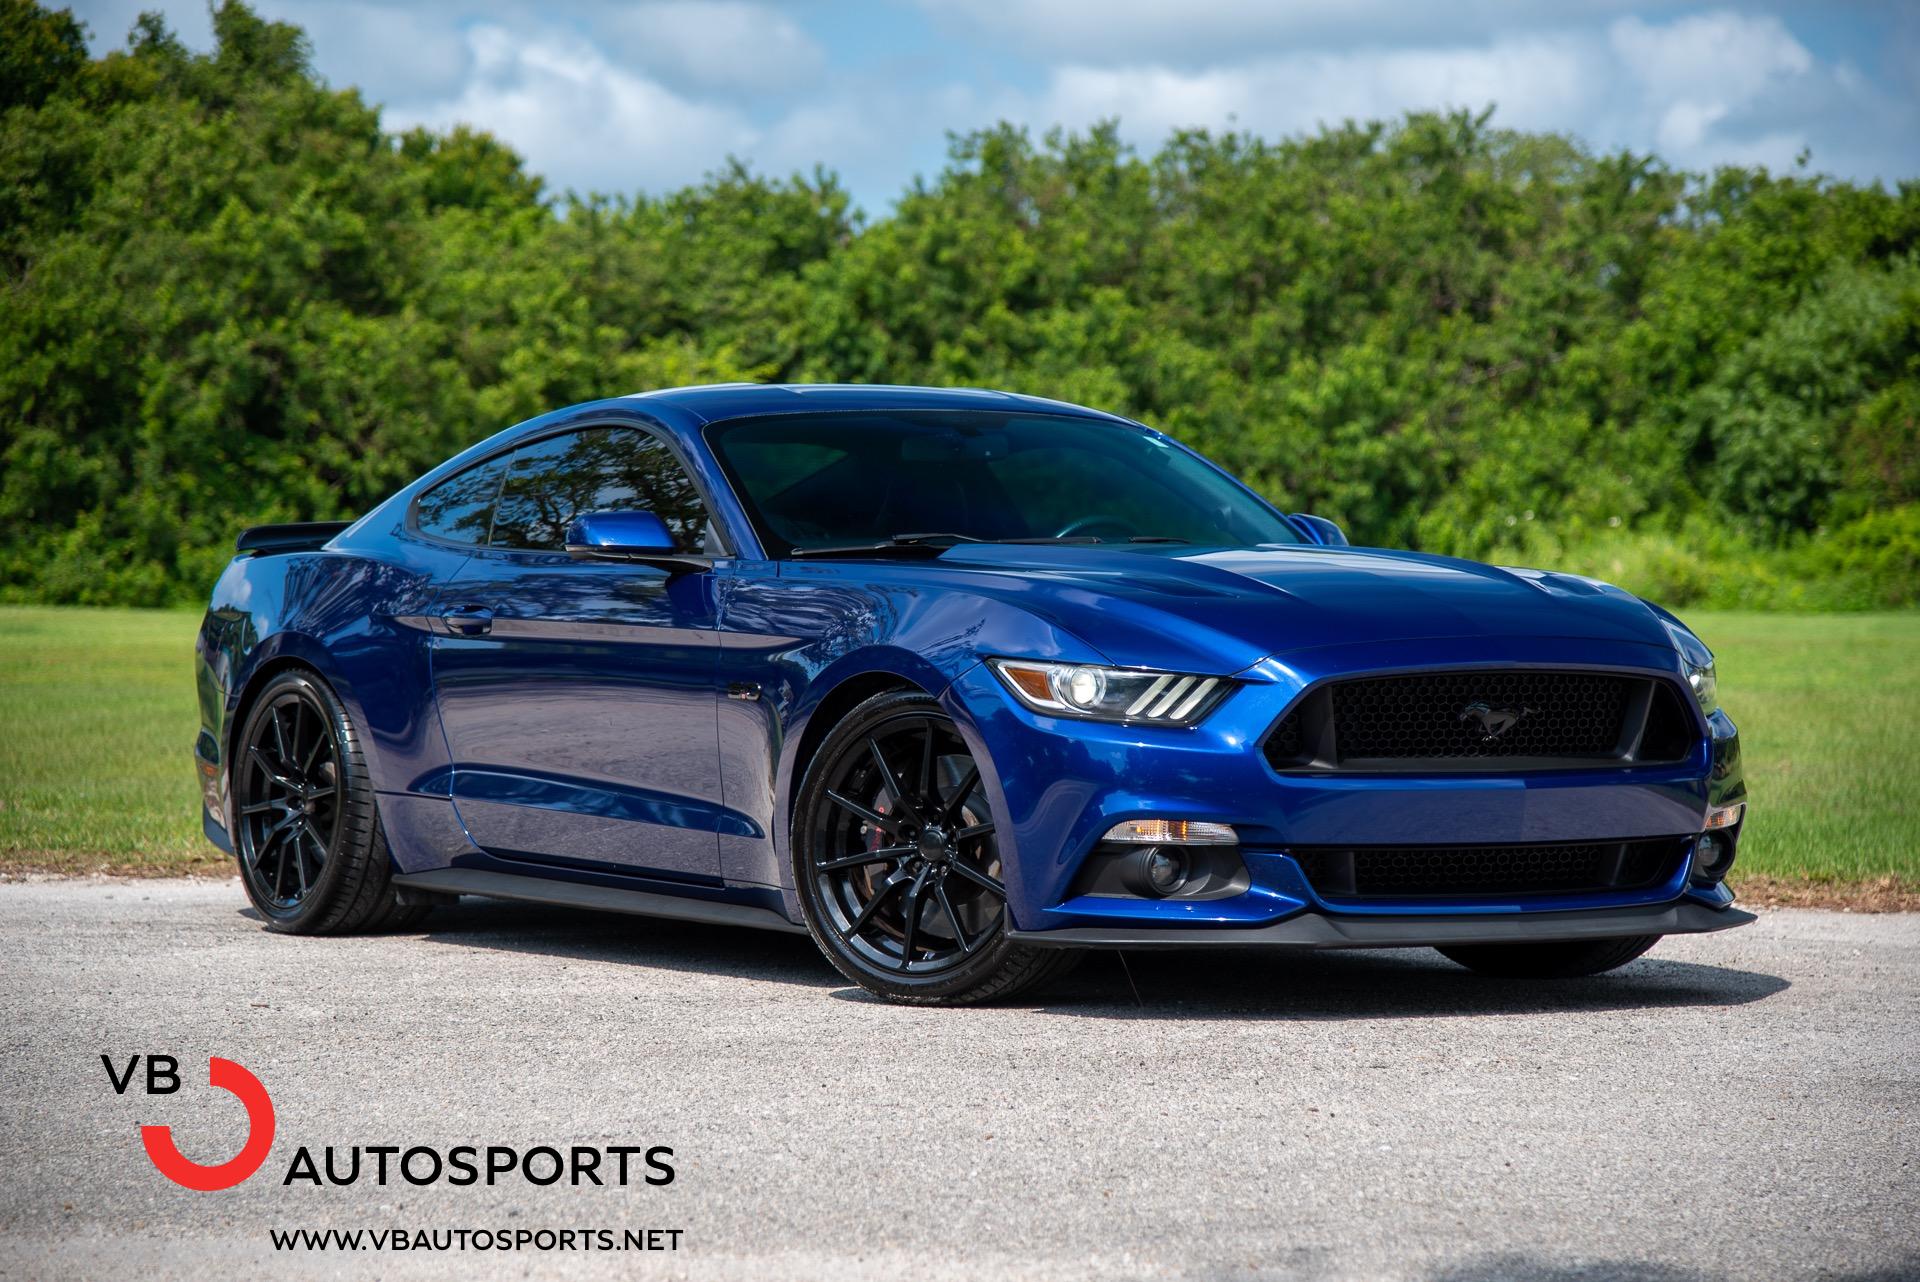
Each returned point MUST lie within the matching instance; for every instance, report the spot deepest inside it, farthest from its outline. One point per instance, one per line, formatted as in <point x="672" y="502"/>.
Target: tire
<point x="1568" y="960"/>
<point x="307" y="836"/>
<point x="897" y="867"/>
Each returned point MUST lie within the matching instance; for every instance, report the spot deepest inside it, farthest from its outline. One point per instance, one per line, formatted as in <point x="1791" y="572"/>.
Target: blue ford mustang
<point x="962" y="684"/>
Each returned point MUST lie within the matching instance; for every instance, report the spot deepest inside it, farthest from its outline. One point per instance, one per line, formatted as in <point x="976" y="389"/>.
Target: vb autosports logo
<point x="420" y="1164"/>
<point x="163" y="1078"/>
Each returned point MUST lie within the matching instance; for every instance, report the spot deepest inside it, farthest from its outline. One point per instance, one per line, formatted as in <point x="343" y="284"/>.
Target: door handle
<point x="468" y="620"/>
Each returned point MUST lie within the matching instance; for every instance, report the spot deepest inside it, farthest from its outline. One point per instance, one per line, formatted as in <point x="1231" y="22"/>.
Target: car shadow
<point x="1200" y="984"/>
<point x="1521" y="1267"/>
<point x="1374" y="984"/>
<point x="654" y="943"/>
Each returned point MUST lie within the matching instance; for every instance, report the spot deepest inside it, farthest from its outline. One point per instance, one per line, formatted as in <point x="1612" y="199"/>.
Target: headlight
<point x="1698" y="661"/>
<point x="1112" y="694"/>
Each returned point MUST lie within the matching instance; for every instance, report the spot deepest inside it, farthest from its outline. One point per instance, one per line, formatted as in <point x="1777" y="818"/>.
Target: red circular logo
<point x="168" y="1160"/>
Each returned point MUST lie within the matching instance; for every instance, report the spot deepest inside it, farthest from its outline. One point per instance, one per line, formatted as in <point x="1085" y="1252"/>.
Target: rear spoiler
<point x="300" y="536"/>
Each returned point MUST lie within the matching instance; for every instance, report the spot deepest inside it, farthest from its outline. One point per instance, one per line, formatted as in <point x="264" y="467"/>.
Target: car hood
<point x="1223" y="610"/>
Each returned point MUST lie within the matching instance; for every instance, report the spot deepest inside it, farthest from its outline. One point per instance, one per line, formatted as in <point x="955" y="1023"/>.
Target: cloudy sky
<point x="616" y="97"/>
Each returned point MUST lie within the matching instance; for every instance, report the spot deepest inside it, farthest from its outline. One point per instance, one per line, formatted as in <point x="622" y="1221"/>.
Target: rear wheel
<point x="312" y="854"/>
<point x="1565" y="960"/>
<point x="897" y="862"/>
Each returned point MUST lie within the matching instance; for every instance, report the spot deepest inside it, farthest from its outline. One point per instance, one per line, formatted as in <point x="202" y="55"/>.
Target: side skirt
<point x="573" y="894"/>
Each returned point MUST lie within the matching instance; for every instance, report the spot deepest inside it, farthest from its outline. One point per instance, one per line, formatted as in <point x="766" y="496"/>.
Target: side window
<point x="460" y="508"/>
<point x="598" y="470"/>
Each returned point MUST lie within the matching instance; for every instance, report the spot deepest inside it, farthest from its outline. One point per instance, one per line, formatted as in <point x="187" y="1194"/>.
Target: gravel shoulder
<point x="1735" y="1105"/>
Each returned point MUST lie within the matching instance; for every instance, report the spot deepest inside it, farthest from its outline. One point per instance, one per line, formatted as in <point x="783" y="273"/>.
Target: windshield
<point x="821" y="480"/>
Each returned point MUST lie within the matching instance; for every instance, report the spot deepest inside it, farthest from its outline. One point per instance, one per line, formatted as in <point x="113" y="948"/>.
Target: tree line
<point x="230" y="296"/>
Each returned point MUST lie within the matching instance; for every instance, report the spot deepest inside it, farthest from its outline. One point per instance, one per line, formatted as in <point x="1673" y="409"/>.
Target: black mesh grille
<point x="1440" y="715"/>
<point x="1362" y="872"/>
<point x="1513" y="719"/>
<point x="1286" y="742"/>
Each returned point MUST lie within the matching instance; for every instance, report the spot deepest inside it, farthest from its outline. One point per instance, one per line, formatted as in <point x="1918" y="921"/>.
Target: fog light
<point x="1712" y="857"/>
<point x="1172" y="832"/>
<point x="1156" y="872"/>
<point x="1166" y="870"/>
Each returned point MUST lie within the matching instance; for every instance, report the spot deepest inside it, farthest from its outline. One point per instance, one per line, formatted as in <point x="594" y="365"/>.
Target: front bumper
<point x="1060" y="784"/>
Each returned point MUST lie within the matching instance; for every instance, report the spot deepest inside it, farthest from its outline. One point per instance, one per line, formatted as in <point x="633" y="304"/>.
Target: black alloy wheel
<point x="287" y="803"/>
<point x="313" y="856"/>
<point x="898" y="862"/>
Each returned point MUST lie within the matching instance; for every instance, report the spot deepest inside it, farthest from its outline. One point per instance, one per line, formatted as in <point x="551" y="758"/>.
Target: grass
<point x="99" y="718"/>
<point x="96" y="763"/>
<point x="1829" y="713"/>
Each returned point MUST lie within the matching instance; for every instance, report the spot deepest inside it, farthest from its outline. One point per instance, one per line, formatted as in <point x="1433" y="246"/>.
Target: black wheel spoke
<point x="274" y="777"/>
<point x="927" y="790"/>
<point x="978" y="878"/>
<point x="313" y="753"/>
<point x="879" y="856"/>
<point x="280" y="866"/>
<point x="279" y="739"/>
<point x="259" y="806"/>
<point x="977" y="830"/>
<point x="959" y="928"/>
<point x="901" y="802"/>
<point x="912" y="914"/>
<point x="886" y="823"/>
<point x="959" y="799"/>
<point x="880" y="897"/>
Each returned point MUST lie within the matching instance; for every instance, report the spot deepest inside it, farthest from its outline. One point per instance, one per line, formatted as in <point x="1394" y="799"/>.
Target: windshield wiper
<point x="894" y="545"/>
<point x="927" y="544"/>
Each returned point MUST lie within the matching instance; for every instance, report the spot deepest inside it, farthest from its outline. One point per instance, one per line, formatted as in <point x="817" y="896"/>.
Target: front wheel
<point x="897" y="863"/>
<point x="1569" y="959"/>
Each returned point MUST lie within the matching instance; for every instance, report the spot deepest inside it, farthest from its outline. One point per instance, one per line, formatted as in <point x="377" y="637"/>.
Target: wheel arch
<point x="284" y="652"/>
<point x="829" y="712"/>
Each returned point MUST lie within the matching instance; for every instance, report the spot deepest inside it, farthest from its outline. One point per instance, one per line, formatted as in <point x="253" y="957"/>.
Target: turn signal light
<point x="1725" y="816"/>
<point x="1172" y="832"/>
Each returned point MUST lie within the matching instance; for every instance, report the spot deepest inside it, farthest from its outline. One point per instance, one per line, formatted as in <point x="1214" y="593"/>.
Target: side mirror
<point x="1321" y="530"/>
<point x="639" y="537"/>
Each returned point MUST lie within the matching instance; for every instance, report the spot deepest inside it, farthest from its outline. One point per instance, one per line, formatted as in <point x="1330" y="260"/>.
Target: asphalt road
<point x="1744" y="1105"/>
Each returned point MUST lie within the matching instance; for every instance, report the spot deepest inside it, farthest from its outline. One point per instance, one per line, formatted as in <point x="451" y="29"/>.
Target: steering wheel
<point x="1088" y="524"/>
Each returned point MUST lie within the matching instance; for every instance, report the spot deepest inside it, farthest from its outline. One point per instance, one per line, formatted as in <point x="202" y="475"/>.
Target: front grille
<point x="1483" y="719"/>
<point x="1425" y="872"/>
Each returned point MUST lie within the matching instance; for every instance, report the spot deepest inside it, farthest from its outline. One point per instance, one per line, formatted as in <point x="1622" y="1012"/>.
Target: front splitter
<point x="1322" y="930"/>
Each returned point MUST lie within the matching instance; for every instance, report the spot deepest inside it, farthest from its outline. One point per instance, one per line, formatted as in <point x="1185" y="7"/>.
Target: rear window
<point x="460" y="508"/>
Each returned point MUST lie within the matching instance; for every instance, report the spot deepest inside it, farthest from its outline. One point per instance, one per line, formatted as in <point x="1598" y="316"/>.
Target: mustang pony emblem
<point x="1493" y="722"/>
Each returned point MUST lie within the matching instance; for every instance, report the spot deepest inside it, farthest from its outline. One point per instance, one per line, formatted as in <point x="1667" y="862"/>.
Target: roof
<point x="746" y="400"/>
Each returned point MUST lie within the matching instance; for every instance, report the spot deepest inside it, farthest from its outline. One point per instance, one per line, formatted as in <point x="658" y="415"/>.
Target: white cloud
<point x="1718" y="88"/>
<point x="1107" y="32"/>
<point x="717" y="44"/>
<point x="1544" y="80"/>
<point x="614" y="96"/>
<point x="582" y="121"/>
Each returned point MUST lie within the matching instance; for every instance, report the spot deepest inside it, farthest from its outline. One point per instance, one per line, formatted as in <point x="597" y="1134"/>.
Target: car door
<point x="579" y="696"/>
